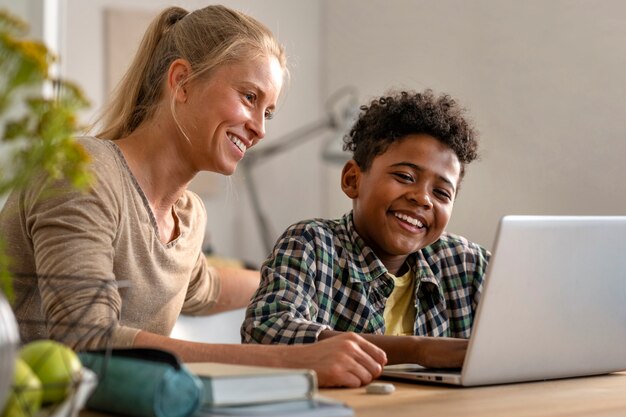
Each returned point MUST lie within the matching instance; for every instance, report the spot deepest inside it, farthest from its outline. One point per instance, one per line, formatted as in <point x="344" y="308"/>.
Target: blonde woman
<point x="114" y="267"/>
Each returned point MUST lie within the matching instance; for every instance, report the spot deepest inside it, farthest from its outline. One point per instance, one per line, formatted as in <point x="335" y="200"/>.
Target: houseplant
<point x="36" y="132"/>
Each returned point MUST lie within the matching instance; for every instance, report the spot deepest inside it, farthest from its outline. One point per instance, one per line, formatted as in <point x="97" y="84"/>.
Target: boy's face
<point x="404" y="201"/>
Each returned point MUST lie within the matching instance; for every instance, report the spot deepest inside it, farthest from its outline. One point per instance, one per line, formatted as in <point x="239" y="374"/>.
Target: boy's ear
<point x="176" y="79"/>
<point x="350" y="177"/>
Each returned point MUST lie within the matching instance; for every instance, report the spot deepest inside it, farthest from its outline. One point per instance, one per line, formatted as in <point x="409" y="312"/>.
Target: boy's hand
<point x="440" y="352"/>
<point x="345" y="360"/>
<point x="430" y="352"/>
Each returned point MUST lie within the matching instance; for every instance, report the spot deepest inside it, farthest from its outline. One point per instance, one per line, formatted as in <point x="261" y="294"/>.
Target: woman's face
<point x="225" y="114"/>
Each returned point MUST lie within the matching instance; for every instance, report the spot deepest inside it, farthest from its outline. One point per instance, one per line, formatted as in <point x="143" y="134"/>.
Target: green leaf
<point x="37" y="131"/>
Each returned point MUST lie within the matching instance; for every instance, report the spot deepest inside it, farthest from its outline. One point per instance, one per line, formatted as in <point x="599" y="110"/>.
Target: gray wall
<point x="544" y="81"/>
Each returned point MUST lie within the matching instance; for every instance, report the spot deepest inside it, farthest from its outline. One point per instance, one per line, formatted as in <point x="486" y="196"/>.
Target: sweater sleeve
<point x="73" y="235"/>
<point x="204" y="289"/>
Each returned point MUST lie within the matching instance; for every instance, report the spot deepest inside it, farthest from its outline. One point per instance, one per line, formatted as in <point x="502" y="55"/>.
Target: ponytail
<point x="133" y="98"/>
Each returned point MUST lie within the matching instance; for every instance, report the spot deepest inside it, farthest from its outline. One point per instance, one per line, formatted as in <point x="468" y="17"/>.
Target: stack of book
<point x="239" y="390"/>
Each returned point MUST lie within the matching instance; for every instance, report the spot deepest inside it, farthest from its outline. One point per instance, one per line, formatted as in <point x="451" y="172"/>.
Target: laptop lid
<point x="553" y="302"/>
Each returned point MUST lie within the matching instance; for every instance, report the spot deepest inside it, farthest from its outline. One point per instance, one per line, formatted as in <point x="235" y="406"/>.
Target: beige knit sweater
<point x="91" y="270"/>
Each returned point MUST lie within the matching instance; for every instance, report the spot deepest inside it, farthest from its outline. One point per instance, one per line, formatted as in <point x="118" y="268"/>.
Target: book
<point x="228" y="385"/>
<point x="314" y="407"/>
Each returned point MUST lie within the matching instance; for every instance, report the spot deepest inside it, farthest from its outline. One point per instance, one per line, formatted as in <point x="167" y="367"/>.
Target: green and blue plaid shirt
<point x="322" y="276"/>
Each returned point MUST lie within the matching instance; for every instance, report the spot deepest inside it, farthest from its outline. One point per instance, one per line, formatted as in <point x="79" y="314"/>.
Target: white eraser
<point x="380" y="388"/>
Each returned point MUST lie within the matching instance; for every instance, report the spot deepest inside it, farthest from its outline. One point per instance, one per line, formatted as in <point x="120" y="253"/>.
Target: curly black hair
<point x="391" y="118"/>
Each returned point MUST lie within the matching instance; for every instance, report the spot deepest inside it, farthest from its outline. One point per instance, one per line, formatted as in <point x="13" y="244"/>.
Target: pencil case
<point x="142" y="383"/>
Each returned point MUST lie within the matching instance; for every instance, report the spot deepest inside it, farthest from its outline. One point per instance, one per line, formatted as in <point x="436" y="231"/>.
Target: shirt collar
<point x="367" y="266"/>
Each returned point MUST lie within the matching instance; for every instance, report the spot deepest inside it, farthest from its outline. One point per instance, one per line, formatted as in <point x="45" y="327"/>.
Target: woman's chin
<point x="227" y="170"/>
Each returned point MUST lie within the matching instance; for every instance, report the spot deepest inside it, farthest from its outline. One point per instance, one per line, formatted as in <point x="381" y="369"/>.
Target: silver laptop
<point x="553" y="304"/>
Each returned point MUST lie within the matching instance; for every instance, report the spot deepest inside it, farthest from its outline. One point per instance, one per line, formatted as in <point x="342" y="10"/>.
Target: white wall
<point x="29" y="11"/>
<point x="544" y="81"/>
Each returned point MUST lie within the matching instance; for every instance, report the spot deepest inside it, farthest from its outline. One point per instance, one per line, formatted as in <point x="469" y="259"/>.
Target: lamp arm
<point x="279" y="145"/>
<point x="333" y="120"/>
<point x="259" y="215"/>
<point x="288" y="141"/>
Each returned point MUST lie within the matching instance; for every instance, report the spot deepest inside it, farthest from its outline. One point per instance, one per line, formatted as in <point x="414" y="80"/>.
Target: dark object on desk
<point x="142" y="383"/>
<point x="227" y="385"/>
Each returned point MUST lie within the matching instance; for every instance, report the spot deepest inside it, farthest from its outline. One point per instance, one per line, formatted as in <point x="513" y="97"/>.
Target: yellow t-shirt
<point x="400" y="309"/>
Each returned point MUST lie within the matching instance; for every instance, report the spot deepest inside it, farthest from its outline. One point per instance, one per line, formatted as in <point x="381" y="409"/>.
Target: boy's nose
<point x="421" y="198"/>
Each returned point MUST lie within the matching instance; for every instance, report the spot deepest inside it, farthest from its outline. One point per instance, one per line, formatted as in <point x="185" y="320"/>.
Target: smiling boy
<point x="388" y="269"/>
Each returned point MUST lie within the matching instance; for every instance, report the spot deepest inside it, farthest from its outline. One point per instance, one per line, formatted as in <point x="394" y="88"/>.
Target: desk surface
<point x="591" y="396"/>
<point x="603" y="396"/>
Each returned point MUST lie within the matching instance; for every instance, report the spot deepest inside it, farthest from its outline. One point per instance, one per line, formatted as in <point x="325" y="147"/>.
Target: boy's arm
<point x="435" y="352"/>
<point x="285" y="306"/>
<point x="482" y="261"/>
<point x="431" y="352"/>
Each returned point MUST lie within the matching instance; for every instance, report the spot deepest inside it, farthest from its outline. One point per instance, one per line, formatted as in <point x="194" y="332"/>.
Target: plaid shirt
<point x="322" y="276"/>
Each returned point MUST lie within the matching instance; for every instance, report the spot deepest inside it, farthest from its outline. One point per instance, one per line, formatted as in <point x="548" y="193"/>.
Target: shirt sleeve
<point x="482" y="257"/>
<point x="73" y="235"/>
<point x="284" y="308"/>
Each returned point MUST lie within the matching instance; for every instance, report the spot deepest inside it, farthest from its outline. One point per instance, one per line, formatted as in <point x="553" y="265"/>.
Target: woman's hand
<point x="345" y="360"/>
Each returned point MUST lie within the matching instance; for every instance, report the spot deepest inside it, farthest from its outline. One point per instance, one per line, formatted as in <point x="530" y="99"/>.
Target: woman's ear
<point x="177" y="76"/>
<point x="350" y="177"/>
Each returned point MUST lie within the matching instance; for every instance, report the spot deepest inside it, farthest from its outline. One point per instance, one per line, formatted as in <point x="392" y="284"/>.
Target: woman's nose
<point x="256" y="124"/>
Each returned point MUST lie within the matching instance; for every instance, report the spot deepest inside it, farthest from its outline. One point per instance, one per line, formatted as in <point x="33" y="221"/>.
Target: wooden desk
<point x="603" y="396"/>
<point x="591" y="396"/>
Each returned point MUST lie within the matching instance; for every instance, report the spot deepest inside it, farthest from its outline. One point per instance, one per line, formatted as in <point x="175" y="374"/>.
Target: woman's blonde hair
<point x="206" y="38"/>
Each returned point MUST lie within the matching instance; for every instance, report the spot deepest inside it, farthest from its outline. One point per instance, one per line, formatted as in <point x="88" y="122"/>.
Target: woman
<point x="115" y="266"/>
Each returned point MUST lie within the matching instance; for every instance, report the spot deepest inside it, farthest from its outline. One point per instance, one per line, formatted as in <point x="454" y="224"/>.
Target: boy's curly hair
<point x="391" y="118"/>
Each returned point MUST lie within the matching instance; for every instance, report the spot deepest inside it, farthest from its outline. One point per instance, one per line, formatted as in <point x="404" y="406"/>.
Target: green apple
<point x="56" y="365"/>
<point x="26" y="393"/>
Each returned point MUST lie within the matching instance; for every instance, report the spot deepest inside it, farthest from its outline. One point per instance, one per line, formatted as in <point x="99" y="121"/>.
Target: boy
<point x="388" y="268"/>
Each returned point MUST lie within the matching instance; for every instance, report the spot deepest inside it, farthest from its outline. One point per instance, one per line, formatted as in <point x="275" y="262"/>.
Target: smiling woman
<point x="218" y="135"/>
<point x="116" y="265"/>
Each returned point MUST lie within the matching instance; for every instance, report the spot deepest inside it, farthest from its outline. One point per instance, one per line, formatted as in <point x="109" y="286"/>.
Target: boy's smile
<point x="403" y="202"/>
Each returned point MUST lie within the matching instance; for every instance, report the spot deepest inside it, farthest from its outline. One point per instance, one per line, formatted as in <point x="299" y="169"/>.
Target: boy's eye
<point x="443" y="194"/>
<point x="404" y="177"/>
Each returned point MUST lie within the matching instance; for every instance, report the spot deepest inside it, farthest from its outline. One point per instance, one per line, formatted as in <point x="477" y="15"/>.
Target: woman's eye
<point x="251" y="97"/>
<point x="269" y="115"/>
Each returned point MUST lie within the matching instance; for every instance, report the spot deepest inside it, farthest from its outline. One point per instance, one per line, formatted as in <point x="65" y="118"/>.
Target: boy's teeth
<point x="409" y="220"/>
<point x="238" y="143"/>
